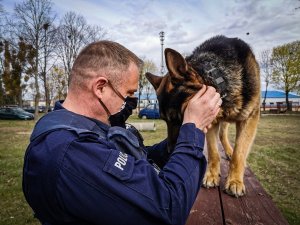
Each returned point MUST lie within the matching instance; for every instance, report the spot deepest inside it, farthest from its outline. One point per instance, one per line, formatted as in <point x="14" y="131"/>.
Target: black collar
<point x="215" y="77"/>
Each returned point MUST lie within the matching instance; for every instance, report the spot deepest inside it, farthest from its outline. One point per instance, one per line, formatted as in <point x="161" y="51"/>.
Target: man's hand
<point x="203" y="108"/>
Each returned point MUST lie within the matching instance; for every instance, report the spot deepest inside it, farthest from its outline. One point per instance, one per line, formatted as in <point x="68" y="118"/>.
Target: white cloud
<point x="187" y="23"/>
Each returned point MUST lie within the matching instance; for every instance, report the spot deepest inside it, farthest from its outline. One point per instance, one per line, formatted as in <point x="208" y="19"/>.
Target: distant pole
<point x="162" y="37"/>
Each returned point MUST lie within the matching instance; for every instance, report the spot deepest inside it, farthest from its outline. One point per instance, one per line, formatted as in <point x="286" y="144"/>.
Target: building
<point x="276" y="99"/>
<point x="147" y="99"/>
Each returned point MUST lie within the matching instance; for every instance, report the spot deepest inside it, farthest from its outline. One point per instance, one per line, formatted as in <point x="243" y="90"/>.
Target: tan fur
<point x="178" y="86"/>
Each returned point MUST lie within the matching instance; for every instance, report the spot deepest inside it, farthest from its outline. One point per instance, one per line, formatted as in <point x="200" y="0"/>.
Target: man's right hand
<point x="203" y="108"/>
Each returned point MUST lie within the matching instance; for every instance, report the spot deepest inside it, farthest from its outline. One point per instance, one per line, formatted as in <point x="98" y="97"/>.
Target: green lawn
<point x="275" y="159"/>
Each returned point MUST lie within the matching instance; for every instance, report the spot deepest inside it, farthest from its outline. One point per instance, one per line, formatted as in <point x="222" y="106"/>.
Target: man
<point x="83" y="167"/>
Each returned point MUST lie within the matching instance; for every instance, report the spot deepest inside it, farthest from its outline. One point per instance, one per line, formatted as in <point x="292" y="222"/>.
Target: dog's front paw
<point x="228" y="155"/>
<point x="235" y="188"/>
<point x="211" y="179"/>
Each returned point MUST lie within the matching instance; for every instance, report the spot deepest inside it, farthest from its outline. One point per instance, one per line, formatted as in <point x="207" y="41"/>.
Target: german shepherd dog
<point x="229" y="65"/>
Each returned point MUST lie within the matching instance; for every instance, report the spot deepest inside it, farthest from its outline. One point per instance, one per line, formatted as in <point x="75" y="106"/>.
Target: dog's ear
<point x="154" y="80"/>
<point x="176" y="64"/>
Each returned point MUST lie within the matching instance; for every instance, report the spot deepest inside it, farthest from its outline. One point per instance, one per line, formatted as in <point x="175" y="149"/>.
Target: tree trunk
<point x="37" y="96"/>
<point x="47" y="98"/>
<point x="264" y="101"/>
<point x="46" y="93"/>
<point x="36" y="82"/>
<point x="45" y="75"/>
<point x="288" y="106"/>
<point x="20" y="99"/>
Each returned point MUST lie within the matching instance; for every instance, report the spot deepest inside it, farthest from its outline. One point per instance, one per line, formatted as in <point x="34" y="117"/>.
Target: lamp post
<point x="162" y="37"/>
<point x="45" y="27"/>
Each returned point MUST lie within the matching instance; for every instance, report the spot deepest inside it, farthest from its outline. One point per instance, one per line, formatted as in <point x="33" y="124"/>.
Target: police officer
<point x="83" y="167"/>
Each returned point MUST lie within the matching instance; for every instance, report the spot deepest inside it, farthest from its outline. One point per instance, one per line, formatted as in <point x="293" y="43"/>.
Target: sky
<point x="187" y="23"/>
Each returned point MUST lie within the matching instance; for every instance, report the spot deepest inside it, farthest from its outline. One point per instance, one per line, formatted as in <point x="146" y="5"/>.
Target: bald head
<point x="103" y="58"/>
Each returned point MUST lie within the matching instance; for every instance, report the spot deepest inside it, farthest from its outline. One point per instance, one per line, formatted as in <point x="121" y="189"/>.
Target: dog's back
<point x="235" y="64"/>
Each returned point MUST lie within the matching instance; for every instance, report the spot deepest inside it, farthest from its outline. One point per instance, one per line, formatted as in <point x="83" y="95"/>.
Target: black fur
<point x="224" y="53"/>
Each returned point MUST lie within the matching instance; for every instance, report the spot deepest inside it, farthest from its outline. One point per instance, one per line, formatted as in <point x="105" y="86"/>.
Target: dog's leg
<point x="212" y="175"/>
<point x="245" y="133"/>
<point x="223" y="134"/>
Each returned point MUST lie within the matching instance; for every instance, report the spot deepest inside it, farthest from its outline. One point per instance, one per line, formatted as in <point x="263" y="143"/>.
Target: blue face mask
<point x="119" y="118"/>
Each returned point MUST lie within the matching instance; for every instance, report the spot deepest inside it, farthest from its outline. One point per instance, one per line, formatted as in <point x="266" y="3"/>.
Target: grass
<point x="275" y="159"/>
<point x="14" y="137"/>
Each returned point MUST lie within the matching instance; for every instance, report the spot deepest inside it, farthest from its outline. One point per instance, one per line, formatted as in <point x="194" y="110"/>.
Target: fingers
<point x="215" y="103"/>
<point x="209" y="92"/>
<point x="220" y="102"/>
<point x="203" y="108"/>
<point x="200" y="92"/>
<point x="212" y="100"/>
<point x="215" y="98"/>
<point x="205" y="129"/>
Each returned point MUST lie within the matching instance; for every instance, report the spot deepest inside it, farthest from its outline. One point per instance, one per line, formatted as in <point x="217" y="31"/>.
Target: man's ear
<point x="98" y="86"/>
<point x="176" y="64"/>
<point x="154" y="80"/>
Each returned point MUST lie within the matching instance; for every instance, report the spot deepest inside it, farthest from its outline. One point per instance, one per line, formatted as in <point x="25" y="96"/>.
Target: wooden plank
<point x="214" y="206"/>
<point x="256" y="207"/>
<point x="207" y="208"/>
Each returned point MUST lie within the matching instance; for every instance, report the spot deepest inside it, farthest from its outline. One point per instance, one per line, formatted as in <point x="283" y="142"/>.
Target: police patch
<point x="119" y="164"/>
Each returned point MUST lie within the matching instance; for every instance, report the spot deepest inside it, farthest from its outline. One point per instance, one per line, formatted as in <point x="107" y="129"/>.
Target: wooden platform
<point x="213" y="206"/>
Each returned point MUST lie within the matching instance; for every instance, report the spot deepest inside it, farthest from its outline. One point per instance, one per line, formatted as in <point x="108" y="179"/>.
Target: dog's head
<point x="174" y="90"/>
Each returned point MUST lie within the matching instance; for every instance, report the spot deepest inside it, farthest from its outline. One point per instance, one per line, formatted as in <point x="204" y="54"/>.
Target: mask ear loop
<point x="105" y="108"/>
<point x="116" y="91"/>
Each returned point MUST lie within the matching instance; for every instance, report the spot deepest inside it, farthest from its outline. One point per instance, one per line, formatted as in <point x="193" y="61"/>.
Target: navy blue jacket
<point x="82" y="178"/>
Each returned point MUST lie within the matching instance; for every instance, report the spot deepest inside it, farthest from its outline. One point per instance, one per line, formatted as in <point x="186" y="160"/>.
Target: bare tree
<point x="1" y="54"/>
<point x="2" y="94"/>
<point x="57" y="83"/>
<point x="48" y="61"/>
<point x="73" y="34"/>
<point x="266" y="67"/>
<point x="28" y="22"/>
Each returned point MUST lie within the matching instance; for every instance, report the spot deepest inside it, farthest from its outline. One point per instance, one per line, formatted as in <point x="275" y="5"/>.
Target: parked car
<point x="151" y="111"/>
<point x="43" y="108"/>
<point x="15" y="113"/>
<point x="29" y="109"/>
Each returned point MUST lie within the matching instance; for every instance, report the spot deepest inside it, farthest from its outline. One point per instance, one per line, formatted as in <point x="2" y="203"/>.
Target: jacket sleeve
<point x="105" y="186"/>
<point x="158" y="153"/>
